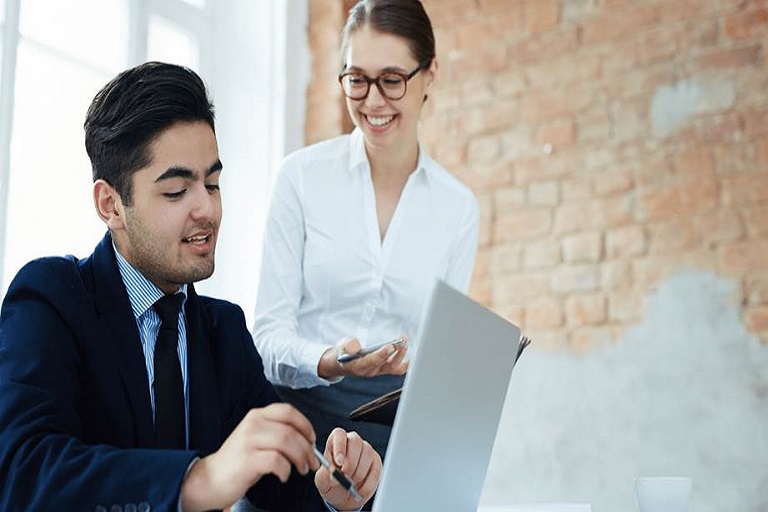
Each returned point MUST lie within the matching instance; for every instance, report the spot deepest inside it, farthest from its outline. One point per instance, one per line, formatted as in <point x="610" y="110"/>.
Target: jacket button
<point x="130" y="507"/>
<point x="115" y="508"/>
<point x="144" y="507"/>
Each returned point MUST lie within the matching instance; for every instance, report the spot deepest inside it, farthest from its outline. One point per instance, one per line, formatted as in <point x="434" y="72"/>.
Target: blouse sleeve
<point x="289" y="359"/>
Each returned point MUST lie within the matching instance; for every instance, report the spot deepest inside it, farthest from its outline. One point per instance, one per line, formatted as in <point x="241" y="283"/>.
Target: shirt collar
<point x="142" y="292"/>
<point x="358" y="158"/>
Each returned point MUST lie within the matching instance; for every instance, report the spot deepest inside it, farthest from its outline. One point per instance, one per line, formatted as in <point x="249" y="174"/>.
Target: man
<point x="108" y="401"/>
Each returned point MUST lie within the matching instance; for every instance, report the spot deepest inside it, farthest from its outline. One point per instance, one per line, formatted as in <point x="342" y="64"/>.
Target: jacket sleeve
<point x="300" y="492"/>
<point x="44" y="464"/>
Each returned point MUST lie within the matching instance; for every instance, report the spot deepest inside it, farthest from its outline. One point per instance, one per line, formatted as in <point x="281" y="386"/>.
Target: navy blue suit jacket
<point x="76" y="428"/>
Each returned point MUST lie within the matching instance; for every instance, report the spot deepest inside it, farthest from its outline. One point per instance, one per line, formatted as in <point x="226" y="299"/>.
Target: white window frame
<point x="258" y="120"/>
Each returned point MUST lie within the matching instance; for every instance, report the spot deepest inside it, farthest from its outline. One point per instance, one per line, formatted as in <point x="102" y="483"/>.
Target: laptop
<point x="449" y="410"/>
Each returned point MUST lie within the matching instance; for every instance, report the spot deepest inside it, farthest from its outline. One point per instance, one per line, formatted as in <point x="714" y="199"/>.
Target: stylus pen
<point x="338" y="475"/>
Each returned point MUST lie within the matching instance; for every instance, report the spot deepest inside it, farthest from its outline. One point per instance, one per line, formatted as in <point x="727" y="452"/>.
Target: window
<point x="63" y="51"/>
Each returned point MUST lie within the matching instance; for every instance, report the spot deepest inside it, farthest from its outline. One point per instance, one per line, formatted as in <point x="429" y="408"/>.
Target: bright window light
<point x="168" y="42"/>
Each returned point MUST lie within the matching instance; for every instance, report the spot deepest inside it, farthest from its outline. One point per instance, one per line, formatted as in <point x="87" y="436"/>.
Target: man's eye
<point x="212" y="188"/>
<point x="174" y="195"/>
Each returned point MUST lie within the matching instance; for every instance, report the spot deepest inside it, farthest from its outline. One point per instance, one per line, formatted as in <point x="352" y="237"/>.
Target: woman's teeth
<point x="380" y="121"/>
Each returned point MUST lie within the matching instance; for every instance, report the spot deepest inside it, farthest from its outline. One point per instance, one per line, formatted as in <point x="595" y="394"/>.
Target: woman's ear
<point x="109" y="205"/>
<point x="431" y="75"/>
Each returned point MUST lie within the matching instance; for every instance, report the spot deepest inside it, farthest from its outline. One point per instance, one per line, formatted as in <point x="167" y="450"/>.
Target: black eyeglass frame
<point x="377" y="81"/>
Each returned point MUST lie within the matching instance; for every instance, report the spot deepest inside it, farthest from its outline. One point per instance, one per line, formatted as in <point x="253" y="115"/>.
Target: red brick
<point x="576" y="189"/>
<point x="618" y="24"/>
<point x="508" y="83"/>
<point x="543" y="193"/>
<point x="481" y="263"/>
<point x="483" y="149"/>
<point x="544" y="312"/>
<point x="541" y="15"/>
<point x="575" y="217"/>
<point x="756" y="318"/>
<point x="480" y="290"/>
<point x="583" y="248"/>
<point x="625" y="242"/>
<point x="489" y="59"/>
<point x="541" y="254"/>
<point x="482" y="175"/>
<point x="668" y="236"/>
<point x="565" y="70"/>
<point x="584" y="339"/>
<point x="508" y="198"/>
<point x="616" y="275"/>
<point x="655" y="45"/>
<point x="593" y="126"/>
<point x="583" y="310"/>
<point x="575" y="278"/>
<point x="613" y="182"/>
<point x="497" y="7"/>
<point x="693" y="165"/>
<point x="736" y="158"/>
<point x="745" y="189"/>
<point x="625" y="307"/>
<point x="745" y="24"/>
<point x="718" y="227"/>
<point x="542" y="168"/>
<point x="561" y="132"/>
<point x="527" y="223"/>
<point x="744" y="256"/>
<point x="756" y="288"/>
<point x="729" y="58"/>
<point x="493" y="117"/>
<point x="523" y="286"/>
<point x="543" y="46"/>
<point x="505" y="258"/>
<point x="449" y="13"/>
<point x="545" y="106"/>
<point x="756" y="220"/>
<point x="672" y="201"/>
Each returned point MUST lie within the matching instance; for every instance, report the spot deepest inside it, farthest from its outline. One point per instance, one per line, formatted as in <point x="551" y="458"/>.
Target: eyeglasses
<point x="392" y="84"/>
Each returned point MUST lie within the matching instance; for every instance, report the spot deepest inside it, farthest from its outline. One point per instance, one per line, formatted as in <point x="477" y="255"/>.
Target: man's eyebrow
<point x="176" y="172"/>
<point x="217" y="167"/>
<point x="186" y="173"/>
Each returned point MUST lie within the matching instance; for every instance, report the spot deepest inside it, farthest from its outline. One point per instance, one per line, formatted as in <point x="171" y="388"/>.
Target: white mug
<point x="663" y="494"/>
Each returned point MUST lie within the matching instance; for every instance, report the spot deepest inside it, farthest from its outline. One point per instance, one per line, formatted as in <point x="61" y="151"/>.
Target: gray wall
<point x="685" y="393"/>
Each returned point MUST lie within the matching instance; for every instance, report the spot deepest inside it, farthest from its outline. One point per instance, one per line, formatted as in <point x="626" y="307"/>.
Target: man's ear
<point x="109" y="205"/>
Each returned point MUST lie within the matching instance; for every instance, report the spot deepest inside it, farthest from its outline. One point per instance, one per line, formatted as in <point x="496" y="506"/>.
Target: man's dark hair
<point x="403" y="18"/>
<point x="131" y="111"/>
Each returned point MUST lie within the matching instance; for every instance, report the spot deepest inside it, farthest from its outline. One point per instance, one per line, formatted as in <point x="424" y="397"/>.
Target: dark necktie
<point x="169" y="387"/>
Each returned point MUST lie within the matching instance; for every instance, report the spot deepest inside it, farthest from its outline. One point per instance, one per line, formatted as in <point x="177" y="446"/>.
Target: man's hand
<point x="355" y="458"/>
<point x="388" y="360"/>
<point x="267" y="440"/>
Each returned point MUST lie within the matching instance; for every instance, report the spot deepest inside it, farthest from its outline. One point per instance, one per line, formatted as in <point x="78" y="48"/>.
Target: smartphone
<point x="345" y="358"/>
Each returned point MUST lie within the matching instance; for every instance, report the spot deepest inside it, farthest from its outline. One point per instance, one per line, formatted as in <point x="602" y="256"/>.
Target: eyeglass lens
<point x="357" y="85"/>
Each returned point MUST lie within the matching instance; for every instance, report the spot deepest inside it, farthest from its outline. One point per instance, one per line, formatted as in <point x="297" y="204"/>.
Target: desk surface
<point x="537" y="507"/>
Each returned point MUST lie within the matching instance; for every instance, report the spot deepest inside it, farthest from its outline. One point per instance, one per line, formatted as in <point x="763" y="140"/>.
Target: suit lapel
<point x="120" y="331"/>
<point x="204" y="418"/>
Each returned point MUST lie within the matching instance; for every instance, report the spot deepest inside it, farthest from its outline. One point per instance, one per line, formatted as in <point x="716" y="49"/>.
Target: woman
<point x="358" y="229"/>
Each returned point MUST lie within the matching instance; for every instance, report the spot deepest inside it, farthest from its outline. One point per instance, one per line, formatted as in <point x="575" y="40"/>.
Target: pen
<point x="338" y="475"/>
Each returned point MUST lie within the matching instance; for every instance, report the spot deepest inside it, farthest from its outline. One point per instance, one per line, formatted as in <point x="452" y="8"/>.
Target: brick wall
<point x="609" y="142"/>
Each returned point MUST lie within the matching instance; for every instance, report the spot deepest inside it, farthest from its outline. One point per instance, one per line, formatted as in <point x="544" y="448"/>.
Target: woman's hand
<point x="388" y="360"/>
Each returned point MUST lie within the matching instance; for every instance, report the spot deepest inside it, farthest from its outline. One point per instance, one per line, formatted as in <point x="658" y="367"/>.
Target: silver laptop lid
<point x="449" y="411"/>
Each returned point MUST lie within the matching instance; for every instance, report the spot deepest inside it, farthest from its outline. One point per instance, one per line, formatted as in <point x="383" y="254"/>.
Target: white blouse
<point x="325" y="272"/>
